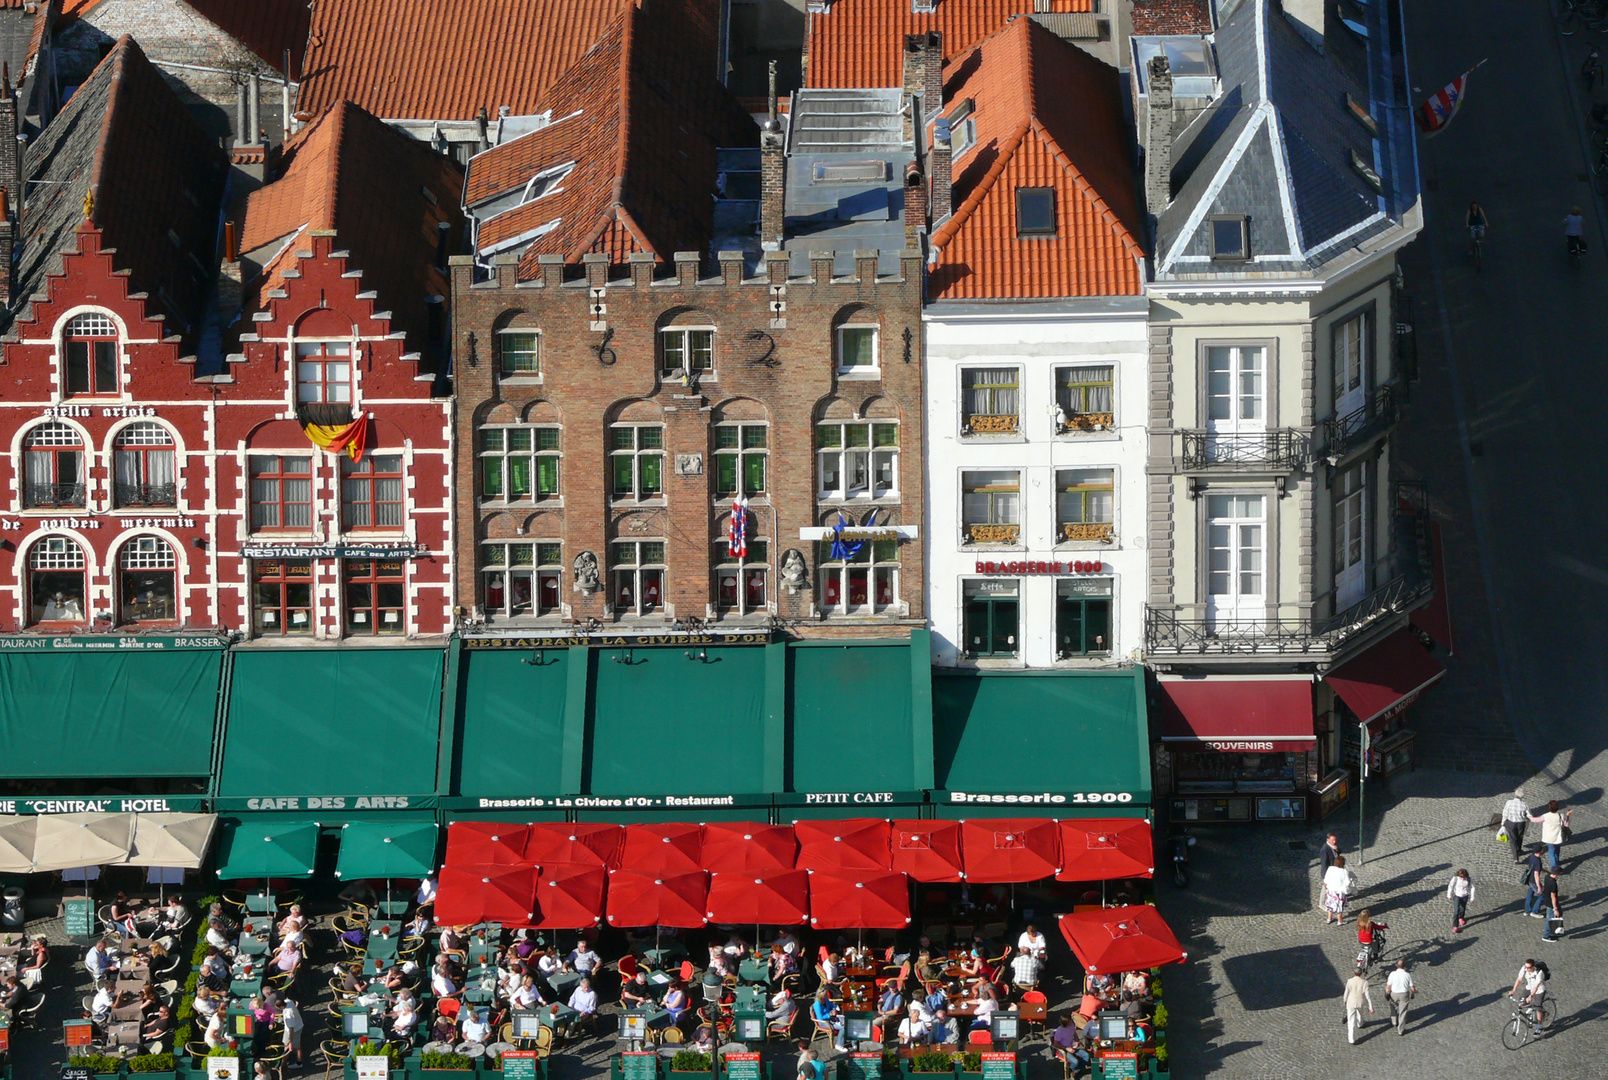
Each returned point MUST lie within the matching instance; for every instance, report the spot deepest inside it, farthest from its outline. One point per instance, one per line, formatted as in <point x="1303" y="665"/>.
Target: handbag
<point x="1501" y="834"/>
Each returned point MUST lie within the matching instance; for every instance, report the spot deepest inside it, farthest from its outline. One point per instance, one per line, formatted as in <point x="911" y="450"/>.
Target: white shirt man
<point x="441" y="984"/>
<point x="526" y="997"/>
<point x="912" y="1029"/>
<point x="475" y="1027"/>
<point x="1033" y="942"/>
<point x="100" y="1010"/>
<point x="99" y="962"/>
<point x="216" y="936"/>
<point x="584" y="999"/>
<point x="407" y="1018"/>
<point x="1399" y="990"/>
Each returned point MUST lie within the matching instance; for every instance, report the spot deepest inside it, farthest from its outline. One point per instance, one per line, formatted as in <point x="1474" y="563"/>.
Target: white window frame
<point x="726" y="563"/>
<point x="1351" y="354"/>
<point x="324" y="362"/>
<point x="1237" y="516"/>
<point x="668" y="333"/>
<point x="1235" y="423"/>
<point x="861" y="370"/>
<point x="509" y="571"/>
<point x="1000" y="507"/>
<point x="636" y="453"/>
<point x="966" y="416"/>
<point x="741" y="454"/>
<point x="535" y="373"/>
<point x="1095" y="530"/>
<point x="1350" y="535"/>
<point x="535" y="454"/>
<point x="875" y="457"/>
<point x="636" y="569"/>
<point x="840" y="570"/>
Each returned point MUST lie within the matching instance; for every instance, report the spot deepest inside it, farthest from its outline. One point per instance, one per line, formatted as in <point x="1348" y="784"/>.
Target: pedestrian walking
<point x="1553" y="827"/>
<point x="1515" y="817"/>
<point x="1460" y="891"/>
<point x="1535" y="868"/>
<point x="1337" y="885"/>
<point x="1329" y="853"/>
<point x="1399" y="990"/>
<point x="1356" y="996"/>
<point x="1551" y="909"/>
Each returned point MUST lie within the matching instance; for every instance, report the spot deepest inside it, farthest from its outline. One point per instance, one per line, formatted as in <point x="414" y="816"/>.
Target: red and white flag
<point x="1436" y="114"/>
<point x="737" y="543"/>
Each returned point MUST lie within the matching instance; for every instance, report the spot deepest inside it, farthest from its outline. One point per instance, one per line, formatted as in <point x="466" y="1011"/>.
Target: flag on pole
<point x="1436" y="114"/>
<point x="737" y="542"/>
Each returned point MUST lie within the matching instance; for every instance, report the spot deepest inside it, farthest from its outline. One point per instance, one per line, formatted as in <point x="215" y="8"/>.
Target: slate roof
<point x="156" y="180"/>
<point x="446" y="59"/>
<point x="860" y="43"/>
<point x="1047" y="114"/>
<point x="381" y="191"/>
<point x="1277" y="145"/>
<point x="266" y="27"/>
<point x="641" y="120"/>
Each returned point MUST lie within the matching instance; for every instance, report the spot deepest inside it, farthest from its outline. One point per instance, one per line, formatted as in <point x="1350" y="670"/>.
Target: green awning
<point x="663" y="723"/>
<point x="861" y="720"/>
<point x="1082" y="734"/>
<point x="383" y="849"/>
<point x="359" y="725"/>
<point x="267" y="847"/>
<point x="117" y="714"/>
<point x="511" y="712"/>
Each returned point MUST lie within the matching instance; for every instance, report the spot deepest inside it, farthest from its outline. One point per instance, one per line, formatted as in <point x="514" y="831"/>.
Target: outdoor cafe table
<point x="480" y="985"/>
<point x="481" y="952"/>
<point x="859" y="996"/>
<point x="254" y="938"/>
<point x="380" y="948"/>
<point x="472" y="1049"/>
<point x="564" y="982"/>
<point x="554" y="1015"/>
<point x="244" y="987"/>
<point x="750" y="999"/>
<point x="393" y="909"/>
<point x="754" y="971"/>
<point x="665" y="954"/>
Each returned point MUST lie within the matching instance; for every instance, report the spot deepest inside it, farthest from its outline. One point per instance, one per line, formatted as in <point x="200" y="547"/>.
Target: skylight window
<point x="1231" y="237"/>
<point x="545" y="182"/>
<point x="1035" y="211"/>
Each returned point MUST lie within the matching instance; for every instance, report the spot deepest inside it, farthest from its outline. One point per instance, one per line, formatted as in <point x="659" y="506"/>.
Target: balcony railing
<point x="1357" y="427"/>
<point x="993" y="534"/>
<point x="1280" y="448"/>
<point x="1101" y="531"/>
<point x="145" y="494"/>
<point x="991" y="425"/>
<point x="52" y="496"/>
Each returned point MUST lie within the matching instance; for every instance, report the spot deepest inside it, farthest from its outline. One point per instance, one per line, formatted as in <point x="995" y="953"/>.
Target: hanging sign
<point x="163" y="804"/>
<point x="999" y="1065"/>
<point x="519" y="1065"/>
<point x="334" y="551"/>
<point x="1040" y="566"/>
<point x="107" y="643"/>
<point x="606" y="639"/>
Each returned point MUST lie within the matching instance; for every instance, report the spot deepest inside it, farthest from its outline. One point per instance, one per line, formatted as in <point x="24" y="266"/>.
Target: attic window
<point x="963" y="110"/>
<point x="1364" y="170"/>
<point x="965" y="136"/>
<point x="849" y="172"/>
<point x="1356" y="28"/>
<point x="1231" y="237"/>
<point x="1359" y="112"/>
<point x="545" y="182"/>
<point x="1035" y="211"/>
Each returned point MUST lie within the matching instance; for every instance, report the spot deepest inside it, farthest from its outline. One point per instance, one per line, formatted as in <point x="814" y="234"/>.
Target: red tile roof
<point x="861" y="42"/>
<point x="1047" y="115"/>
<point x="641" y="118"/>
<point x="445" y="59"/>
<point x="266" y="27"/>
<point x="1161" y="17"/>
<point x="383" y="194"/>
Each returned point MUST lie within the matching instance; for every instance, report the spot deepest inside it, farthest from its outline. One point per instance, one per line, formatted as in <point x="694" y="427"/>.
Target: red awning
<point x="1010" y="849"/>
<point x="927" y="850"/>
<point x="859" y="899"/>
<point x="745" y="847"/>
<point x="486" y="843"/>
<point x="466" y="895"/>
<point x="569" y="896"/>
<point x="1383" y="681"/>
<point x="1435" y="618"/>
<point x="1109" y="940"/>
<point x="644" y="900"/>
<point x="857" y="844"/>
<point x="779" y="899"/>
<point x="1237" y="714"/>
<point x="574" y="842"/>
<point x="1099" y="849"/>
<point x="663" y="849"/>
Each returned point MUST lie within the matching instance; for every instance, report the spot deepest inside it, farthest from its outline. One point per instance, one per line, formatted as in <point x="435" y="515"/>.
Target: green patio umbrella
<point x="268" y="848"/>
<point x="386" y="849"/>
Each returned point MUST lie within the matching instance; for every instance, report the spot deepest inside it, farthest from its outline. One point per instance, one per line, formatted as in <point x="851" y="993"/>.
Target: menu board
<point x="372" y="1067"/>
<point x="999" y="1065"/>
<point x="77" y="913"/>
<point x="638" y="1065"/>
<point x="742" y="1066"/>
<point x="865" y="1065"/>
<point x="1119" y="1065"/>
<point x="224" y="1068"/>
<point x="77" y="1072"/>
<point x="519" y="1065"/>
<point x="78" y="1033"/>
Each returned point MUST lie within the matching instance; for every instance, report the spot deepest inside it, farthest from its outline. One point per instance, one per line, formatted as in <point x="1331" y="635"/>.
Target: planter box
<point x="443" y="1074"/>
<point x="171" y="1074"/>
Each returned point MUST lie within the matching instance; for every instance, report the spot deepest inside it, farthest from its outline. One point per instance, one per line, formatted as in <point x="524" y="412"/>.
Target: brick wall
<point x="600" y="358"/>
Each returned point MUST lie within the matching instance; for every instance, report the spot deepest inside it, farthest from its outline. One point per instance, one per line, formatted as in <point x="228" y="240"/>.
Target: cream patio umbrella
<point x="17" y="832"/>
<point x="68" y="841"/>
<point x="171" y="841"/>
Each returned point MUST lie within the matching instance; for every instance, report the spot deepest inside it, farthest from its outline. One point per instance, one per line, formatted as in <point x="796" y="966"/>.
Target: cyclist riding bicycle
<point x="1574" y="231"/>
<point x="1533" y="975"/>
<point x="1476" y="222"/>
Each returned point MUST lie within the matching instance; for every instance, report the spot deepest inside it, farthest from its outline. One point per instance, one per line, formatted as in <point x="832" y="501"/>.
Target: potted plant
<point x="370" y="1048"/>
<point x="691" y="1061"/>
<point x="1162" y="1067"/>
<point x="154" y="1066"/>
<point x="99" y="1064"/>
<point x="969" y="1064"/>
<point x="932" y="1061"/>
<point x="890" y="1060"/>
<point x="446" y="1064"/>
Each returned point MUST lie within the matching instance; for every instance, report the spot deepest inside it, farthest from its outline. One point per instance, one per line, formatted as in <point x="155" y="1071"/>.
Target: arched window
<point x="56" y="581"/>
<point x="143" y="462"/>
<point x="54" y="467"/>
<point x="147" y="581"/>
<point x="89" y="346"/>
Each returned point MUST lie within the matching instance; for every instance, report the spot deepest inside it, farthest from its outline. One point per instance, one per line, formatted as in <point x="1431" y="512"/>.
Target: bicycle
<point x="1568" y="15"/>
<point x="1476" y="240"/>
<point x="1521" y="1027"/>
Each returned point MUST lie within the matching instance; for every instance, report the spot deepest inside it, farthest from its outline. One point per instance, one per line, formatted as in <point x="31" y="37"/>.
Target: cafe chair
<point x="544" y="1042"/>
<point x="1034" y="1008"/>
<point x="335" y="1051"/>
<point x="672" y="1036"/>
<point x="169" y="968"/>
<point x="964" y="932"/>
<point x="197" y="1050"/>
<point x="783" y="1029"/>
<point x="342" y="995"/>
<point x="822" y="1029"/>
<point x="29" y="1014"/>
<point x="409" y="947"/>
<point x="994" y="930"/>
<point x="898" y="976"/>
<point x="273" y="1055"/>
<point x="687" y="972"/>
<point x="627" y="967"/>
<point x="980" y="1037"/>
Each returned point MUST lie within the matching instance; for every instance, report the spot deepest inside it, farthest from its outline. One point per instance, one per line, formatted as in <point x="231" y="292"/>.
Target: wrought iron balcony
<point x="1358" y="427"/>
<point x="145" y="494"/>
<point x="1279" y="449"/>
<point x="53" y="496"/>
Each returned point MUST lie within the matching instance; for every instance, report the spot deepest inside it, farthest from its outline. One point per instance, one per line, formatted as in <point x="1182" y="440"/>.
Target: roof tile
<point x="1163" y="17"/>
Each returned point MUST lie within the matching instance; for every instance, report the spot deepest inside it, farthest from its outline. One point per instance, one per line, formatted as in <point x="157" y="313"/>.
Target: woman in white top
<point x="1337" y="884"/>
<point x="205" y="1004"/>
<point x="1033" y="942"/>
<point x="527" y="996"/>
<point x="987" y="1005"/>
<point x="215" y="1035"/>
<point x="1460" y="891"/>
<point x="1552" y="826"/>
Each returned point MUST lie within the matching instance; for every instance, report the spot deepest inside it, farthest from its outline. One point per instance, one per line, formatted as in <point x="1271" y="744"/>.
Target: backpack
<point x="1546" y="972"/>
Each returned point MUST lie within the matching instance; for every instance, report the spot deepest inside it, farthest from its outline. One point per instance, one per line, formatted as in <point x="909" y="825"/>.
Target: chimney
<point x="924" y="71"/>
<point x="231" y="242"/>
<point x="940" y="166"/>
<point x="915" y="206"/>
<point x="284" y="102"/>
<point x="1158" y="137"/>
<point x="482" y="123"/>
<point x="772" y="175"/>
<point x="254" y="110"/>
<point x="8" y="240"/>
<point x="10" y="149"/>
<point x="1307" y="18"/>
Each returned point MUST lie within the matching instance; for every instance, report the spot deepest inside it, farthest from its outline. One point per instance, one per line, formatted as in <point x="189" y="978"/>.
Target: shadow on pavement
<point x="1580" y="1017"/>
<point x="1305" y="973"/>
<point x="1426" y="1013"/>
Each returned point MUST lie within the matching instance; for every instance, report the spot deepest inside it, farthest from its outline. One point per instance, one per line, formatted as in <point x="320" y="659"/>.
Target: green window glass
<point x="493" y="554"/>
<point x="491" y="485"/>
<point x="491" y="439"/>
<point x="753" y="473"/>
<point x="829" y="436"/>
<point x="521" y="554"/>
<point x="624" y="473"/>
<point x="519" y="440"/>
<point x="725" y="475"/>
<point x="856" y="435"/>
<point x="653" y="551"/>
<point x="547" y="476"/>
<point x="547" y="438"/>
<point x="652" y="473"/>
<point x="650" y="438"/>
<point x="622" y="438"/>
<point x="549" y="554"/>
<point x="518" y="478"/>
<point x="518" y="352"/>
<point x="857" y="347"/>
<point x="740" y="456"/>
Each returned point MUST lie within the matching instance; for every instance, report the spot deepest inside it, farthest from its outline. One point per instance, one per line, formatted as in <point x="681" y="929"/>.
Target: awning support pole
<point x="1362" y="784"/>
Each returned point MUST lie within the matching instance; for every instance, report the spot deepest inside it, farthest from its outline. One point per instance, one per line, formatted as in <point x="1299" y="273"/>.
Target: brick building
<point x="632" y="366"/>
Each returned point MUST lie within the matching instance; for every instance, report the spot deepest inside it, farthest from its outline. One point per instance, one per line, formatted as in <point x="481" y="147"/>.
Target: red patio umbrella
<point x="569" y="896"/>
<point x="1095" y="849"/>
<point x="1010" y="849"/>
<point x="474" y="894"/>
<point x="574" y="842"/>
<point x="743" y="847"/>
<point x="856" y="844"/>
<point x="779" y="899"/>
<point x="927" y="850"/>
<point x="1110" y="940"/>
<point x="637" y="899"/>
<point x="864" y="899"/>
<point x="663" y="849"/>
<point x="486" y="843"/>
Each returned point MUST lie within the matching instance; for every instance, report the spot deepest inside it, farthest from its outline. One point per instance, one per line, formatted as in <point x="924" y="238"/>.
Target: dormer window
<point x="89" y="350"/>
<point x="1231" y="237"/>
<point x="1035" y="211"/>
